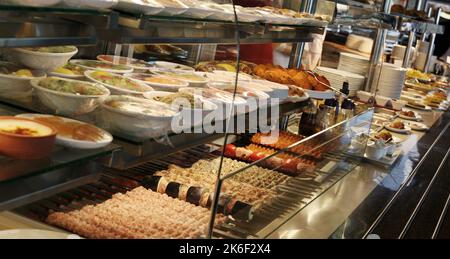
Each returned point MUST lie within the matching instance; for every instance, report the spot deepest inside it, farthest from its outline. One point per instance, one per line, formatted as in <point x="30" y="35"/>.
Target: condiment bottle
<point x="347" y="106"/>
<point x="308" y="122"/>
<point x="328" y="112"/>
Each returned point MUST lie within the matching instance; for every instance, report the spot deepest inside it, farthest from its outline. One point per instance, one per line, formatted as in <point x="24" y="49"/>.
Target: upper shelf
<point x="48" y="26"/>
<point x="163" y="29"/>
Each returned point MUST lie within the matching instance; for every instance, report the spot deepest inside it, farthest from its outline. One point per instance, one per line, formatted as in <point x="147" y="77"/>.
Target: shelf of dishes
<point x="417" y="90"/>
<point x="196" y="9"/>
<point x="391" y="129"/>
<point x="156" y="23"/>
<point x="138" y="101"/>
<point x="155" y="29"/>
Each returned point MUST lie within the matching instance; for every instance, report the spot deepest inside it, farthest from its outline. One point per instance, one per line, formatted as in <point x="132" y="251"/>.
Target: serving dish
<point x="16" y="79"/>
<point x="409" y="115"/>
<point x="137" y="64"/>
<point x="232" y="75"/>
<point x="68" y="96"/>
<point x="418" y="126"/>
<point x="419" y="106"/>
<point x="194" y="79"/>
<point x="223" y="99"/>
<point x="25" y="139"/>
<point x="172" y="7"/>
<point x="171" y="65"/>
<point x="117" y="84"/>
<point x="72" y="133"/>
<point x="197" y="9"/>
<point x="375" y="151"/>
<point x="70" y="71"/>
<point x="137" y="117"/>
<point x="158" y="82"/>
<point x="248" y="93"/>
<point x="149" y="7"/>
<point x="406" y="129"/>
<point x="45" y="58"/>
<point x="193" y="108"/>
<point x="100" y="65"/>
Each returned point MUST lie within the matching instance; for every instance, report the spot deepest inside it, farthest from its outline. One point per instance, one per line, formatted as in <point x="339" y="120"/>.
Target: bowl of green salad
<point x="67" y="96"/>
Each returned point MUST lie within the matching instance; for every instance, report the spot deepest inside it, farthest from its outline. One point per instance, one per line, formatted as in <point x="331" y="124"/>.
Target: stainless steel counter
<point x="332" y="209"/>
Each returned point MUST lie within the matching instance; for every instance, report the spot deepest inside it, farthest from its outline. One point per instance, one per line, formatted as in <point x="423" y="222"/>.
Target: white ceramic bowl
<point x="390" y="149"/>
<point x="240" y="104"/>
<point x="135" y="124"/>
<point x="42" y="60"/>
<point x="79" y="62"/>
<point x="232" y="75"/>
<point x="190" y="116"/>
<point x="12" y="83"/>
<point x="192" y="83"/>
<point x="111" y="59"/>
<point x="118" y="90"/>
<point x="381" y="100"/>
<point x="67" y="103"/>
<point x="159" y="86"/>
<point x="373" y="152"/>
<point x="363" y="96"/>
<point x="171" y="65"/>
<point x="398" y="104"/>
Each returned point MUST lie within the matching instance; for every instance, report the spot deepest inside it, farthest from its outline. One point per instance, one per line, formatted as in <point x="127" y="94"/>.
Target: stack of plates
<point x="388" y="80"/>
<point x="353" y="63"/>
<point x="338" y="77"/>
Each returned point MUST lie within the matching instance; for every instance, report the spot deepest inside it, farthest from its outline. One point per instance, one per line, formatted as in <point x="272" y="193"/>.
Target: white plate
<point x="427" y="108"/>
<point x="406" y="130"/>
<point x="35" y="234"/>
<point x="296" y="98"/>
<point x="116" y="89"/>
<point x="73" y="143"/>
<point x="159" y="86"/>
<point x="320" y="94"/>
<point x="116" y="71"/>
<point x="418" y="126"/>
<point x="417" y="118"/>
<point x="125" y="61"/>
<point x="171" y="65"/>
<point x="76" y="77"/>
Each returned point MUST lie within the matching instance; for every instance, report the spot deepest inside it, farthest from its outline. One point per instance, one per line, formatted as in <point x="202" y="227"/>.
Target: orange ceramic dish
<point x="25" y="139"/>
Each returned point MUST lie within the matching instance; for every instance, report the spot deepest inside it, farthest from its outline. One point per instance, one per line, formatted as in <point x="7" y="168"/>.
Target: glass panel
<point x="286" y="173"/>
